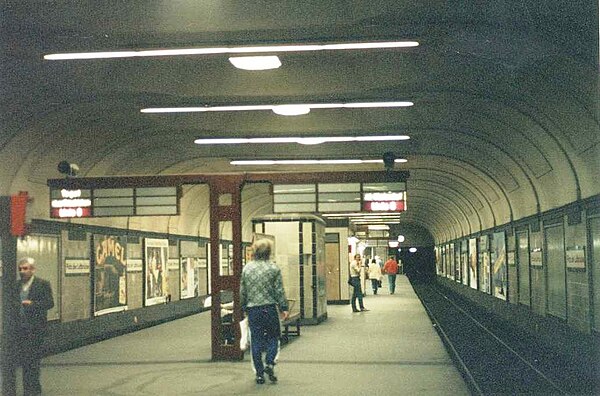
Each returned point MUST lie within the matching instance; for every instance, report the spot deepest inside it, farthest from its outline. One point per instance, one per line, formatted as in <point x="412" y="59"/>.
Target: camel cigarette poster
<point x="110" y="284"/>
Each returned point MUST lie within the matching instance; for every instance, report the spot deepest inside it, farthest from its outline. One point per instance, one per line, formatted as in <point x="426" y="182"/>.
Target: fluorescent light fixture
<point x="393" y="244"/>
<point x="302" y="140"/>
<point x="255" y="62"/>
<point x="365" y="214"/>
<point x="378" y="227"/>
<point x="280" y="108"/>
<point x="291" y="110"/>
<point x="233" y="50"/>
<point x="412" y="249"/>
<point x="308" y="162"/>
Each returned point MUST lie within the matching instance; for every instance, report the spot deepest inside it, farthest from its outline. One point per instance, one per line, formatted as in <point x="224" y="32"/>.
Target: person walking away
<point x="261" y="295"/>
<point x="355" y="270"/>
<point x="374" y="275"/>
<point x="391" y="269"/>
<point x="35" y="296"/>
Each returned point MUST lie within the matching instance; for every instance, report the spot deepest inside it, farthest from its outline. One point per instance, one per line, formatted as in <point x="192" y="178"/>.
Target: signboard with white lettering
<point x="103" y="202"/>
<point x="70" y="203"/>
<point x="384" y="202"/>
<point x="77" y="266"/>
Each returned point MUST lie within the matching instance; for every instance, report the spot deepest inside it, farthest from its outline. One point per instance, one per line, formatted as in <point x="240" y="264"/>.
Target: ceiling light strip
<point x="232" y="50"/>
<point x="309" y="162"/>
<point x="275" y="107"/>
<point x="301" y="140"/>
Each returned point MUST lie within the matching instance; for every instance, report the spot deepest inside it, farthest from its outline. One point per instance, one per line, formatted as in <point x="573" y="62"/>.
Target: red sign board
<point x="18" y="210"/>
<point x="383" y="206"/>
<point x="70" y="212"/>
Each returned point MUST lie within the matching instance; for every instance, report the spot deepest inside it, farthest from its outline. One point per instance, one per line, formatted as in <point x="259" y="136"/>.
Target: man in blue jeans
<point x="391" y="269"/>
<point x="263" y="299"/>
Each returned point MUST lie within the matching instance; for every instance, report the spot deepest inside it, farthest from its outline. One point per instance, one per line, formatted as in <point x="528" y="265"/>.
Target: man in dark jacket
<point x="35" y="295"/>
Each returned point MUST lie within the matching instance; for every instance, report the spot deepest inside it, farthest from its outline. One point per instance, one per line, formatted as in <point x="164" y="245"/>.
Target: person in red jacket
<point x="391" y="269"/>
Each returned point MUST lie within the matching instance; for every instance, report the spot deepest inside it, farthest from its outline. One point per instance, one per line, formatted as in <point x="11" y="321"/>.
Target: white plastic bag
<point x="245" y="331"/>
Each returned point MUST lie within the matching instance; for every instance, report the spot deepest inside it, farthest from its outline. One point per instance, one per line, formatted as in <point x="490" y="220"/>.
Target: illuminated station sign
<point x="384" y="202"/>
<point x="70" y="203"/>
<point x="107" y="202"/>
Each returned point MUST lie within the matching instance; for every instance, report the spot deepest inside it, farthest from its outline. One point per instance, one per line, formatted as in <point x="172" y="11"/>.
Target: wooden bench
<point x="292" y="320"/>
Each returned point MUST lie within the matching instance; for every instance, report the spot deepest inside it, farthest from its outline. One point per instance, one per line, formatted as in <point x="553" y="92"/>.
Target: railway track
<point x="496" y="359"/>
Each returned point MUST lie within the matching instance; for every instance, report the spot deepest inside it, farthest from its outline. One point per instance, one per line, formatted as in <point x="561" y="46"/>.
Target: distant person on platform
<point x="261" y="294"/>
<point x="35" y="296"/>
<point x="391" y="269"/>
<point x="355" y="271"/>
<point x="375" y="275"/>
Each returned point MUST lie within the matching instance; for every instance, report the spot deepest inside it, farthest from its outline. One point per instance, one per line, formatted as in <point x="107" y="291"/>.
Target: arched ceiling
<point x="505" y="96"/>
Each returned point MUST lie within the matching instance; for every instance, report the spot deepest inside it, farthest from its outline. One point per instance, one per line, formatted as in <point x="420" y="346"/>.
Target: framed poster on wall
<point x="190" y="277"/>
<point x="110" y="275"/>
<point x="499" y="271"/>
<point x="156" y="285"/>
<point x="473" y="273"/>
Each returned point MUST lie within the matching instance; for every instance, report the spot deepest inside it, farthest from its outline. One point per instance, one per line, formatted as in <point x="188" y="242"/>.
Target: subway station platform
<point x="391" y="349"/>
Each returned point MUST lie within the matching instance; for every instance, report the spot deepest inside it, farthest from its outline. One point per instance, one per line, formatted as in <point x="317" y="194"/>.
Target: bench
<point x="292" y="320"/>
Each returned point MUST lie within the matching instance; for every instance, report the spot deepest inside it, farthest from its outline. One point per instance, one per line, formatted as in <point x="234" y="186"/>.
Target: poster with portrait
<point x="110" y="282"/>
<point x="473" y="263"/>
<point x="190" y="277"/>
<point x="156" y="275"/>
<point x="499" y="272"/>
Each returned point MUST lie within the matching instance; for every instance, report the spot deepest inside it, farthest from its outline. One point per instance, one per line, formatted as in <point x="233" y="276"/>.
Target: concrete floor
<point x="390" y="350"/>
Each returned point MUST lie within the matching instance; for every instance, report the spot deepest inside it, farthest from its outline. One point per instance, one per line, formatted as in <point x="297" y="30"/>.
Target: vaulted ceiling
<point x="505" y="121"/>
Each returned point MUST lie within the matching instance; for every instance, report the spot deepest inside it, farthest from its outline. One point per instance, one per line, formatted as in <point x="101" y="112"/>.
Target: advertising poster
<point x="450" y="256"/>
<point x="464" y="252"/>
<point x="155" y="271"/>
<point x="190" y="277"/>
<point x="110" y="284"/>
<point x="484" y="272"/>
<point x="499" y="271"/>
<point x="473" y="263"/>
<point x="484" y="264"/>
<point x="438" y="261"/>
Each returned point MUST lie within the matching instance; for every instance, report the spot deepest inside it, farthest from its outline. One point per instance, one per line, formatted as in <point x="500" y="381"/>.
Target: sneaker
<point x="260" y="379"/>
<point x="271" y="373"/>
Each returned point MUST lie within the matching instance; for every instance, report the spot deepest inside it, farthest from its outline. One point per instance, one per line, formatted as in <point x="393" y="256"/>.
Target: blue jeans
<point x="264" y="335"/>
<point x="392" y="282"/>
<point x="356" y="293"/>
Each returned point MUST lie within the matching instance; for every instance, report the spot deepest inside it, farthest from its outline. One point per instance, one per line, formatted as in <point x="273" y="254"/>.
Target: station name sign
<point x="70" y="203"/>
<point x="113" y="202"/>
<point x="384" y="202"/>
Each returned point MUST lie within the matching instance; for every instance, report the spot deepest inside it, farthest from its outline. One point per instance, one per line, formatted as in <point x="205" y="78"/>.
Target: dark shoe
<point x="260" y="379"/>
<point x="271" y="373"/>
<point x="355" y="310"/>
